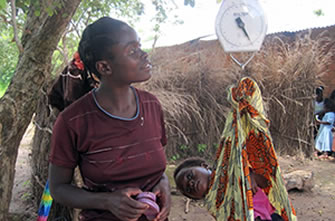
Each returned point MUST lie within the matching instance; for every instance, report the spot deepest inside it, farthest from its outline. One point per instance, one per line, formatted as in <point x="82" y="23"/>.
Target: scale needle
<point x="241" y="25"/>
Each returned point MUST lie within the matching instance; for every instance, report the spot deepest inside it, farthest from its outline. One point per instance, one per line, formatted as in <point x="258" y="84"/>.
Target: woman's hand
<point x="163" y="193"/>
<point x="122" y="204"/>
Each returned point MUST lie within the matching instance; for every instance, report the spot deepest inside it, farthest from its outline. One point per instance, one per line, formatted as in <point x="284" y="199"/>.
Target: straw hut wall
<point x="191" y="81"/>
<point x="327" y="37"/>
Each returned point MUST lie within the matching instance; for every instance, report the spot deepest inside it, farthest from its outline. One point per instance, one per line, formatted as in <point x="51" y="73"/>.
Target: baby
<point x="193" y="176"/>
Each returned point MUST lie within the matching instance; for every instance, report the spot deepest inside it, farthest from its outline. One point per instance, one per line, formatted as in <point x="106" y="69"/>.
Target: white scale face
<point x="241" y="25"/>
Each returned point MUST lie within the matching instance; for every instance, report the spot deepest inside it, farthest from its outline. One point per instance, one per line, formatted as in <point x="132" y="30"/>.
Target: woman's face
<point x="319" y="97"/>
<point x="129" y="63"/>
<point x="193" y="182"/>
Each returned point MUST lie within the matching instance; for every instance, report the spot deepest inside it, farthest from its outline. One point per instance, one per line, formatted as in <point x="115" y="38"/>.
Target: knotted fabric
<point x="245" y="143"/>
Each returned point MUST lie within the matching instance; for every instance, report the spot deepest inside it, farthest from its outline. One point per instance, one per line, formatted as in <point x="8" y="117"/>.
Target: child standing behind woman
<point x="324" y="139"/>
<point x="114" y="133"/>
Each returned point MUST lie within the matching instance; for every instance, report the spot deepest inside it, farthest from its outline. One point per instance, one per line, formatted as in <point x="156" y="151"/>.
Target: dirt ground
<point x="316" y="205"/>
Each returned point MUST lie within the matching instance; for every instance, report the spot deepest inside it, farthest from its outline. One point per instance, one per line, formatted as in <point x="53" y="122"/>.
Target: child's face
<point x="193" y="182"/>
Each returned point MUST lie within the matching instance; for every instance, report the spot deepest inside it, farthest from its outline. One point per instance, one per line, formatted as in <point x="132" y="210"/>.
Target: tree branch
<point x="17" y="41"/>
<point x="75" y="26"/>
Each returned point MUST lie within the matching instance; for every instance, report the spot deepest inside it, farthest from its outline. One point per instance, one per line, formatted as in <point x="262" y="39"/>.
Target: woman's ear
<point x="103" y="67"/>
<point x="205" y="165"/>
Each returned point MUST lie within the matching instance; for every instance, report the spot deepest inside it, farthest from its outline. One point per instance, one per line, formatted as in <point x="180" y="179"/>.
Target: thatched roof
<point x="191" y="79"/>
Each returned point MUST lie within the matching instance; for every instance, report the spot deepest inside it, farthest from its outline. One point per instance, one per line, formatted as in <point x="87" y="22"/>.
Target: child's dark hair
<point x="329" y="104"/>
<point x="96" y="40"/>
<point x="190" y="162"/>
<point x="319" y="90"/>
<point x="332" y="95"/>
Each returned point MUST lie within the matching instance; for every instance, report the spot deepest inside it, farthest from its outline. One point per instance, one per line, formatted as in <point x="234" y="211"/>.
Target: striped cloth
<point x="246" y="142"/>
<point x="45" y="204"/>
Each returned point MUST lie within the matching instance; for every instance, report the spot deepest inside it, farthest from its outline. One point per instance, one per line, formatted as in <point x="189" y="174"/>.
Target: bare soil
<point x="316" y="205"/>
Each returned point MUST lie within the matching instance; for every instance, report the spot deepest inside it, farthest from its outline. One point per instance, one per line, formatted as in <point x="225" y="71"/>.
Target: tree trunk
<point x="19" y="102"/>
<point x="43" y="121"/>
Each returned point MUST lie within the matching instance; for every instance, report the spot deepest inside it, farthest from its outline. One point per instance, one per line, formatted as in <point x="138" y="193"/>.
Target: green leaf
<point x="3" y="4"/>
<point x="57" y="5"/>
<point x="37" y="13"/>
<point x="175" y="157"/>
<point x="319" y="12"/>
<point x="50" y="11"/>
<point x="202" y="148"/>
<point x="183" y="147"/>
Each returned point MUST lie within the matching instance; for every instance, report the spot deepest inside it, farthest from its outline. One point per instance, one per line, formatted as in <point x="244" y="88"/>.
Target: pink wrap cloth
<point x="262" y="205"/>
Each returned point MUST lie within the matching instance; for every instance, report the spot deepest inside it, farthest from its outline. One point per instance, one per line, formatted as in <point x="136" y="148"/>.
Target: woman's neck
<point x="319" y="99"/>
<point x="117" y="101"/>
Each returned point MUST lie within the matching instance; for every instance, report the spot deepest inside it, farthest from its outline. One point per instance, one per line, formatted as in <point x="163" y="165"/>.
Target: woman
<point x="115" y="133"/>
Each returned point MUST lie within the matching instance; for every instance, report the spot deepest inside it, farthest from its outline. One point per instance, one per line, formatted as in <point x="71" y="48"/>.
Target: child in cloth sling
<point x="193" y="177"/>
<point x="245" y="157"/>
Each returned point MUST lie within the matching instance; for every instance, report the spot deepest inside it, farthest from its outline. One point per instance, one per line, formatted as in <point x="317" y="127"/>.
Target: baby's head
<point x="192" y="178"/>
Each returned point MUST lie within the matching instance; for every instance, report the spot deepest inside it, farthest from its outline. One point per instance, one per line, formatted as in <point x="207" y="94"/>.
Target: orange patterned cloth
<point x="246" y="142"/>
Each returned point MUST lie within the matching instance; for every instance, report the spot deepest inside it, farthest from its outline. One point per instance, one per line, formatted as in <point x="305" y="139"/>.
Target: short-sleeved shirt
<point x="318" y="107"/>
<point x="112" y="153"/>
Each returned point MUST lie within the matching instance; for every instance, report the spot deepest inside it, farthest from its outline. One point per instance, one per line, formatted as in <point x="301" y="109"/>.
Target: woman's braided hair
<point x="96" y="41"/>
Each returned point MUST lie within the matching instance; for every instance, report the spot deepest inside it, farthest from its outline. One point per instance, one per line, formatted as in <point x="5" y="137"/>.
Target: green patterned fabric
<point x="245" y="143"/>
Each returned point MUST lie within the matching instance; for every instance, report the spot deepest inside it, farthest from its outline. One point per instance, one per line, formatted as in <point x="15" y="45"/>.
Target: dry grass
<point x="191" y="79"/>
<point x="288" y="74"/>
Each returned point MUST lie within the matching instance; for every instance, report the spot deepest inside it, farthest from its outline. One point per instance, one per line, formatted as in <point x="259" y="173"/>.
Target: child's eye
<point x="188" y="190"/>
<point x="133" y="51"/>
<point x="189" y="176"/>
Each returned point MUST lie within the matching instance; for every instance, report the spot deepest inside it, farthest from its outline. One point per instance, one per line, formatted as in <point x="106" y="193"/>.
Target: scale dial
<point x="241" y="25"/>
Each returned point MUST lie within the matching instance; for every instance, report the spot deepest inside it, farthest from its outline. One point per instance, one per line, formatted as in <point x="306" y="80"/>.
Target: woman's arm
<point x="120" y="202"/>
<point x="163" y="192"/>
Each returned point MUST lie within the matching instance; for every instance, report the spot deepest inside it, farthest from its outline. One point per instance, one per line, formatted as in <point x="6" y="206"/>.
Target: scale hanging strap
<point x="242" y="65"/>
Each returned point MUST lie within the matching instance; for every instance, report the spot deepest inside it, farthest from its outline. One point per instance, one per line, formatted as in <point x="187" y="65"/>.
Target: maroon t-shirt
<point x="112" y="153"/>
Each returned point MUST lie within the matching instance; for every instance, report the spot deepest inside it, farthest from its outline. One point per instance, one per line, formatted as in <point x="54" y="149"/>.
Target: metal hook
<point x="241" y="64"/>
